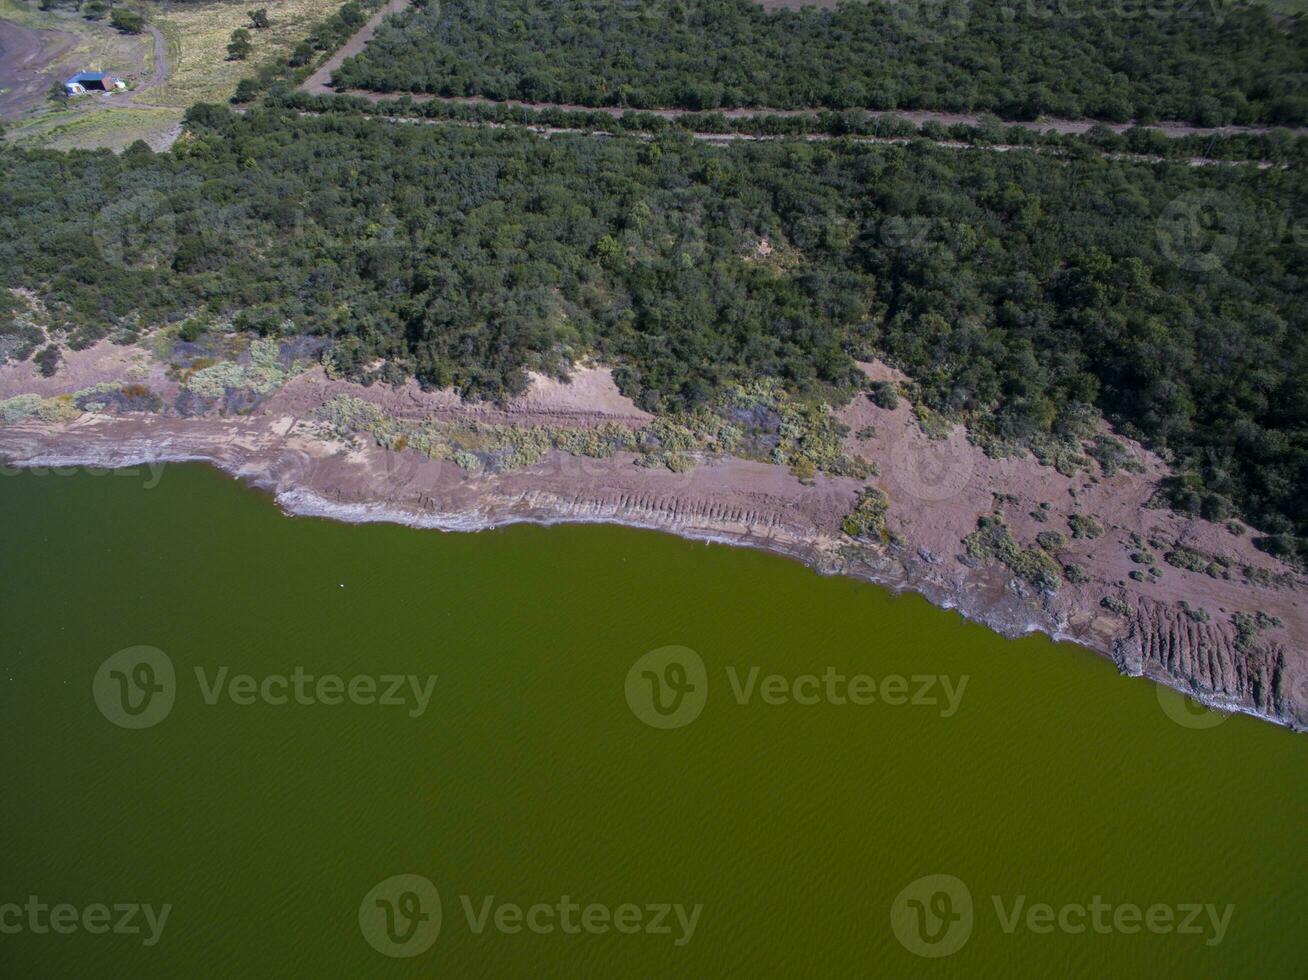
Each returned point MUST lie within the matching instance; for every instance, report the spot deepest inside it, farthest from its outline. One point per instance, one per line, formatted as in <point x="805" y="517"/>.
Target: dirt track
<point x="919" y="118"/>
<point x="162" y="69"/>
<point x="319" y="82"/>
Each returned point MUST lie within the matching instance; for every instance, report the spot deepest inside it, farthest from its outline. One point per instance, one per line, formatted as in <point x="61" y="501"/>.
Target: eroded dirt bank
<point x="1213" y="616"/>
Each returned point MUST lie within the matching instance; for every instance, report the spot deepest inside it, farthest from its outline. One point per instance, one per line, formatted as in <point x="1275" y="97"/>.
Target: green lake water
<point x="529" y="776"/>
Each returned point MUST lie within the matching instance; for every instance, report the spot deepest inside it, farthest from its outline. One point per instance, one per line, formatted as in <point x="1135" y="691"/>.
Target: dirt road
<point x="319" y="83"/>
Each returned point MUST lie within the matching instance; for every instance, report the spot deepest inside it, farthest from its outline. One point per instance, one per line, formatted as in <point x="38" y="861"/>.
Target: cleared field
<point x="197" y="37"/>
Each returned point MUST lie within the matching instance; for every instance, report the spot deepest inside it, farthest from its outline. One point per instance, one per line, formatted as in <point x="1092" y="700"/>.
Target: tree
<point x="302" y="55"/>
<point x="240" y="47"/>
<point x="47" y="361"/>
<point x="259" y="18"/>
<point x="127" y="21"/>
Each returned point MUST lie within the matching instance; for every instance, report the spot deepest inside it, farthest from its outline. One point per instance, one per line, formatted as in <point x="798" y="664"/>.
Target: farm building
<point x="93" y="81"/>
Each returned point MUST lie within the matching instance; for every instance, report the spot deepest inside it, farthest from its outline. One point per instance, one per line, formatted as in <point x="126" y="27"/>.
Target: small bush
<point x="867" y="521"/>
<point x="1076" y="574"/>
<point x="1113" y="604"/>
<point x="1051" y="541"/>
<point x="1084" y="526"/>
<point x="47" y="361"/>
<point x="240" y="47"/>
<point x="884" y="394"/>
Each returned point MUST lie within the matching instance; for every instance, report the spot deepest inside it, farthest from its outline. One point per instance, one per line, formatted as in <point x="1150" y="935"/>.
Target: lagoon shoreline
<point x="720" y="502"/>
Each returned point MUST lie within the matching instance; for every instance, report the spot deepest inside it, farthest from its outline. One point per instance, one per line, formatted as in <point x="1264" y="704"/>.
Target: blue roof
<point x="86" y="76"/>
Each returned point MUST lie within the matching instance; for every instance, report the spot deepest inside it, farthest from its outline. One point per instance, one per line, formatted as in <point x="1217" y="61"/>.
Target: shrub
<point x="240" y="47"/>
<point x="1084" y="526"/>
<point x="1076" y="574"/>
<point x="993" y="542"/>
<point x="867" y="521"/>
<point x="1051" y="541"/>
<point x="47" y="361"/>
<point x="127" y="21"/>
<point x="884" y="394"/>
<point x="1113" y="604"/>
<point x="1112" y="454"/>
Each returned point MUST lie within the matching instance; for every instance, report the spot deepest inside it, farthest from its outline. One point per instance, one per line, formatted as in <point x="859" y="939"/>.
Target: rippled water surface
<point x="787" y="821"/>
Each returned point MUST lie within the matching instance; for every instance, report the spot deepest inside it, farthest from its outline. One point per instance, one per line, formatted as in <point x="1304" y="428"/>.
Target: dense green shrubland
<point x="1019" y="292"/>
<point x="1209" y="62"/>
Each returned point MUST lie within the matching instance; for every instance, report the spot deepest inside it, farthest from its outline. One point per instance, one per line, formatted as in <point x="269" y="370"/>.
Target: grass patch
<point x="97" y="128"/>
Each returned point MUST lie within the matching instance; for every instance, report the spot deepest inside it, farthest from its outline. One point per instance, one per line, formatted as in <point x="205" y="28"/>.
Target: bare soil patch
<point x="30" y="62"/>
